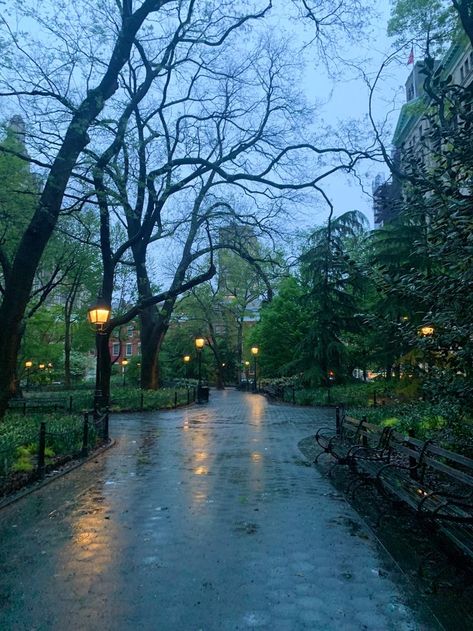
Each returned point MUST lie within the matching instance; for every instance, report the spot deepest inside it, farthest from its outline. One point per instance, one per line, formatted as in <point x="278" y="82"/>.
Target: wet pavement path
<point x="202" y="518"/>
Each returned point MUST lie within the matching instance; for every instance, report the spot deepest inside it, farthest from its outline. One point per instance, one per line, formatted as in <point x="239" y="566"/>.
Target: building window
<point x="129" y="350"/>
<point x="130" y="330"/>
<point x="116" y="350"/>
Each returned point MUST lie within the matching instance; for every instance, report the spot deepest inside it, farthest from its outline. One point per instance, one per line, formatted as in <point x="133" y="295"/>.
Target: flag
<point x="411" y="56"/>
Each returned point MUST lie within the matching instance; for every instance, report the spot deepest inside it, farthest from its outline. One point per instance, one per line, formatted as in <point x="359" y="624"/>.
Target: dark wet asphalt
<point x="200" y="519"/>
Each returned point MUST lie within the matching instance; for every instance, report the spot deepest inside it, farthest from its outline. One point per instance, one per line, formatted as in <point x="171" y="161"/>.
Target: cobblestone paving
<point x="200" y="519"/>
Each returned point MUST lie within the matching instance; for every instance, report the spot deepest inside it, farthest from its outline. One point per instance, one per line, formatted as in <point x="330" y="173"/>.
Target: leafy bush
<point x="347" y="394"/>
<point x="443" y="422"/>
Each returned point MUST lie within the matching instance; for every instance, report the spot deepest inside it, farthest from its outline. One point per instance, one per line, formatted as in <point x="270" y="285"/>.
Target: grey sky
<point x="347" y="98"/>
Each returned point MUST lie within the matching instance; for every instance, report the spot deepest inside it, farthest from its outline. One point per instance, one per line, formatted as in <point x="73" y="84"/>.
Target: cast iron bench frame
<point x="433" y="482"/>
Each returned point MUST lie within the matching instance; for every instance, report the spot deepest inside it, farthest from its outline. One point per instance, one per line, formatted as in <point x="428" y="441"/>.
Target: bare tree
<point x="70" y="85"/>
<point x="211" y="133"/>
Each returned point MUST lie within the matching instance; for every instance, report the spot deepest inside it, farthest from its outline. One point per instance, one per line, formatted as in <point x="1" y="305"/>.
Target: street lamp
<point x="124" y="365"/>
<point x="330" y="380"/>
<point x="28" y="366"/>
<point x="247" y="374"/>
<point x="98" y="316"/>
<point x="254" y="352"/>
<point x="426" y="330"/>
<point x="199" y="345"/>
<point x="186" y="359"/>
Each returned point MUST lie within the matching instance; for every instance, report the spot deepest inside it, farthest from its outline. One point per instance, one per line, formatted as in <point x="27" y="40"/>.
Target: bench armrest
<point x="327" y="438"/>
<point x="451" y="499"/>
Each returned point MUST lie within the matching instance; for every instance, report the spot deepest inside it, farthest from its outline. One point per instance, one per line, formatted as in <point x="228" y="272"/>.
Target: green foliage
<point x="349" y="394"/>
<point x="130" y="399"/>
<point x="19" y="437"/>
<point x="18" y="192"/>
<point x="335" y="284"/>
<point x="422" y="20"/>
<point x="284" y="324"/>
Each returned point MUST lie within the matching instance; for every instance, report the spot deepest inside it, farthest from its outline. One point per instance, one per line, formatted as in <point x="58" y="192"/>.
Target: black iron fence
<point x="127" y="399"/>
<point x="22" y="462"/>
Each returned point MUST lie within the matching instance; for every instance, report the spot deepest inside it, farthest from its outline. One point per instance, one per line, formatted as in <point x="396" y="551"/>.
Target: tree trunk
<point x="67" y="352"/>
<point x="153" y="330"/>
<point x="20" y="279"/>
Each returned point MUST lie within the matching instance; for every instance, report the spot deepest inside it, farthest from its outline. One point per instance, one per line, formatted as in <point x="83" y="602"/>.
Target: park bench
<point x="353" y="440"/>
<point x="437" y="484"/>
<point x="433" y="482"/>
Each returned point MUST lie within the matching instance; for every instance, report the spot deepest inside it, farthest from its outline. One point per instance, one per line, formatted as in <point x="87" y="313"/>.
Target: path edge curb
<point x="36" y="486"/>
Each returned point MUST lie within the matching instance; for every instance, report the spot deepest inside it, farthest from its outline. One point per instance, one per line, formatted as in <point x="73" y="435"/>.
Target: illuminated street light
<point x="124" y="365"/>
<point x="98" y="316"/>
<point x="199" y="345"/>
<point x="426" y="330"/>
<point x="28" y="366"/>
<point x="186" y="359"/>
<point x="254" y="352"/>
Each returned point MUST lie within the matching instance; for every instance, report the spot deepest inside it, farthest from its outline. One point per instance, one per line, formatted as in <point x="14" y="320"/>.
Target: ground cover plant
<point x="445" y="423"/>
<point x="19" y="443"/>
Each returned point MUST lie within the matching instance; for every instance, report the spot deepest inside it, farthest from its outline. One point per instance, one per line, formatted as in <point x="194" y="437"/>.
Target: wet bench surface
<point x="201" y="518"/>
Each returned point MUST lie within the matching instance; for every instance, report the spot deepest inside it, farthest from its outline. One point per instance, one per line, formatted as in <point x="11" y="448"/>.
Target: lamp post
<point x="28" y="366"/>
<point x="124" y="365"/>
<point x="330" y="379"/>
<point x="254" y="352"/>
<point x="98" y="316"/>
<point x="427" y="330"/>
<point x="199" y="345"/>
<point x="247" y="374"/>
<point x="186" y="359"/>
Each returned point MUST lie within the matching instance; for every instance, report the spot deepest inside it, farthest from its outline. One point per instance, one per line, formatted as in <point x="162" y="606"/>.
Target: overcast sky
<point x="346" y="98"/>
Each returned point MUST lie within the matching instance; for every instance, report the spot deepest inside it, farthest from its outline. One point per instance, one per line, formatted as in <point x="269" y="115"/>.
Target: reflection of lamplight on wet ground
<point x="93" y="540"/>
<point x="256" y="457"/>
<point x="257" y="407"/>
<point x="201" y="470"/>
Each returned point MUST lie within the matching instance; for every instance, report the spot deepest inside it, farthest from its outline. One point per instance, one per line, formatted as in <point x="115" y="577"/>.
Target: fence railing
<point x="32" y="459"/>
<point x="135" y="399"/>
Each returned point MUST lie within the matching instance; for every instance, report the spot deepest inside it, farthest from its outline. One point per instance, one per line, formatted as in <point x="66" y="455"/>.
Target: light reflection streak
<point x="93" y="541"/>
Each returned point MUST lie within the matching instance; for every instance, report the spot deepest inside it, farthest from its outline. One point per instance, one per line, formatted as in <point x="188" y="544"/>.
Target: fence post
<point x="282" y="394"/>
<point x="193" y="394"/>
<point x="293" y="395"/>
<point x="188" y="395"/>
<point x="85" y="436"/>
<point x="41" y="448"/>
<point x="142" y="400"/>
<point x="374" y="399"/>
<point x="337" y="421"/>
<point x="175" y="398"/>
<point x="70" y="404"/>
